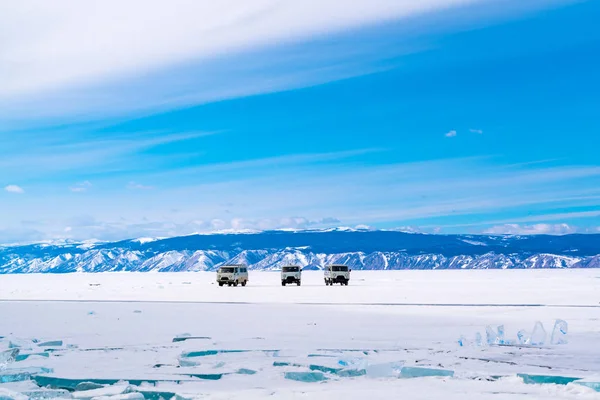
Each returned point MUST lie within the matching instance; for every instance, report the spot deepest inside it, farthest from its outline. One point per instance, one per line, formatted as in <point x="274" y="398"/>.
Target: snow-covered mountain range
<point x="359" y="249"/>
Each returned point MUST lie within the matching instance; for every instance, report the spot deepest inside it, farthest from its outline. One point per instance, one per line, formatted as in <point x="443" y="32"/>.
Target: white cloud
<point x="81" y="187"/>
<point x="87" y="227"/>
<point x="272" y="198"/>
<point x="14" y="189"/>
<point x="537" y="229"/>
<point x="63" y="43"/>
<point x="138" y="186"/>
<point x="478" y="131"/>
<point x="452" y="133"/>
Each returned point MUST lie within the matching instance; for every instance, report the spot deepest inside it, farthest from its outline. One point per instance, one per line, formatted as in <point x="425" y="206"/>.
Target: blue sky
<point x="449" y="116"/>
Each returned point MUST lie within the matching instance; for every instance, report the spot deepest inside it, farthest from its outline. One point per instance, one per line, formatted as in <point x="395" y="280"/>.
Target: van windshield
<point x="290" y="269"/>
<point x="226" y="270"/>
<point x="338" y="268"/>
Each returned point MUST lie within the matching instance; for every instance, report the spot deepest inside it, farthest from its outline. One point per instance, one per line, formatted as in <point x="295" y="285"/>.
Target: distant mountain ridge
<point x="270" y="250"/>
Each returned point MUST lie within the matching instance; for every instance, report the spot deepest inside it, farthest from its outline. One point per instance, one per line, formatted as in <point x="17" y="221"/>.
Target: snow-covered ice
<point x="389" y="332"/>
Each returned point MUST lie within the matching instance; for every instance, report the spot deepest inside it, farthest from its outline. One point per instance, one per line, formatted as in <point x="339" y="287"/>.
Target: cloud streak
<point x="81" y="187"/>
<point x="51" y="72"/>
<point x="54" y="51"/>
<point x="14" y="189"/>
<point x="537" y="229"/>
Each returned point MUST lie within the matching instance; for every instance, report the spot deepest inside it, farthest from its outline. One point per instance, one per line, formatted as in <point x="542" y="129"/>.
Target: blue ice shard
<point x="21" y="374"/>
<point x="309" y="377"/>
<point x="47" y="394"/>
<point x="245" y="371"/>
<point x="6" y="394"/>
<point x="559" y="333"/>
<point x="590" y="384"/>
<point x="51" y="343"/>
<point x="23" y="357"/>
<point x="8" y="356"/>
<point x="523" y="337"/>
<point x="418" y="372"/>
<point x="494" y="336"/>
<point x="386" y="370"/>
<point x="545" y="379"/>
<point x="478" y="340"/>
<point x="83" y="386"/>
<point x="538" y="335"/>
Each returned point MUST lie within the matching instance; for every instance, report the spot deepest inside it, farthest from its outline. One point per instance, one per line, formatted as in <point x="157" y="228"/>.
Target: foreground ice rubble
<point x="194" y="365"/>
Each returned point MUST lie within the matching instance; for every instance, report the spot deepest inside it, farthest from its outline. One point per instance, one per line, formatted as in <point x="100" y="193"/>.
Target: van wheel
<point x="298" y="283"/>
<point x="282" y="283"/>
<point x="229" y="284"/>
<point x="244" y="283"/>
<point x="235" y="283"/>
<point x="220" y="283"/>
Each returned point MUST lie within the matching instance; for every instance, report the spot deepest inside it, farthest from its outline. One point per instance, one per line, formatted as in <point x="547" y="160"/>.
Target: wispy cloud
<point x="249" y="48"/>
<point x="94" y="152"/>
<point x="138" y="186"/>
<point x="81" y="187"/>
<point x="123" y="46"/>
<point x="537" y="229"/>
<point x="451" y="134"/>
<point x="14" y="189"/>
<point x="478" y="131"/>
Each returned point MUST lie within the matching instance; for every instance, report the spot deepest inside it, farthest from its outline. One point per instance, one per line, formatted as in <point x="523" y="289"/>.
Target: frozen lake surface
<point x="371" y="339"/>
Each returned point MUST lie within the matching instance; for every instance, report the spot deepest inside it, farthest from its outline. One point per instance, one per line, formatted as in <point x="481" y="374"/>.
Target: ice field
<point x="389" y="334"/>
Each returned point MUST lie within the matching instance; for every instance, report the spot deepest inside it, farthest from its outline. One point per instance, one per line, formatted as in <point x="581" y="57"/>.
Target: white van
<point x="232" y="275"/>
<point x="291" y="274"/>
<point x="337" y="274"/>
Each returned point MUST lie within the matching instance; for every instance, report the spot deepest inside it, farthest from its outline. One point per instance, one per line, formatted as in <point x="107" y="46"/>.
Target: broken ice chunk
<point x="23" y="357"/>
<point x="48" y="394"/>
<point x="105" y="391"/>
<point x="386" y="370"/>
<point x="559" y="333"/>
<point x="51" y="343"/>
<point x="538" y="336"/>
<point x="125" y="396"/>
<point x="418" y="372"/>
<point x="590" y="383"/>
<point x="478" y="340"/>
<point x="8" y="356"/>
<point x="245" y="371"/>
<point x="21" y="374"/>
<point x="494" y="336"/>
<point x="353" y="363"/>
<point x="305" y="376"/>
<point x="523" y="337"/>
<point x="6" y="394"/>
<point x="87" y="386"/>
<point x="545" y="379"/>
<point x="352" y="367"/>
<point x="463" y="341"/>
<point x="21" y="344"/>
